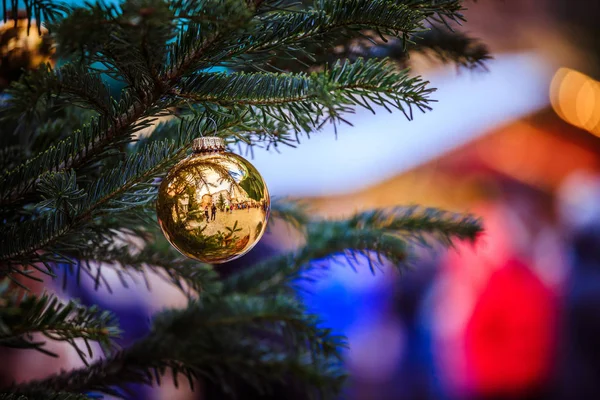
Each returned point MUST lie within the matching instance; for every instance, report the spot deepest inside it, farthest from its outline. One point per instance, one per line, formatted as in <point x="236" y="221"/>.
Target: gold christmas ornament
<point x="22" y="50"/>
<point x="214" y="205"/>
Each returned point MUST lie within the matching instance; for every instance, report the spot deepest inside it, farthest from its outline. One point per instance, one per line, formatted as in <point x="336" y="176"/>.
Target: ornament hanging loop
<point x="215" y="124"/>
<point x="209" y="144"/>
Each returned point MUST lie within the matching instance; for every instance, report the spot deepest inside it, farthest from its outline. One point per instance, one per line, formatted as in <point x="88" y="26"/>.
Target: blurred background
<point x="517" y="316"/>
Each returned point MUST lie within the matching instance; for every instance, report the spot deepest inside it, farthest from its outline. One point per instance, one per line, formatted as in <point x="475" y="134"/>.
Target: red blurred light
<point x="510" y="338"/>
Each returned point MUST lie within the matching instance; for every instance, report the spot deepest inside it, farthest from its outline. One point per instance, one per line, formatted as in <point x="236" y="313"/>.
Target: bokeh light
<point x="575" y="97"/>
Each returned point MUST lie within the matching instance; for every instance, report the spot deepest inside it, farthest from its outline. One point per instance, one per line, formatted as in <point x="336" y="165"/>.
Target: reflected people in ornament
<point x="214" y="205"/>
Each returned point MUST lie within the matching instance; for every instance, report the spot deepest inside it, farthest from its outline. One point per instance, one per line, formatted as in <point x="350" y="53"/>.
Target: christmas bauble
<point x="214" y="205"/>
<point x="21" y="50"/>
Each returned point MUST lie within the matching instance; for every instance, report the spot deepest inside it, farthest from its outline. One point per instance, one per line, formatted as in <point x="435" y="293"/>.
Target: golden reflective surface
<point x="213" y="207"/>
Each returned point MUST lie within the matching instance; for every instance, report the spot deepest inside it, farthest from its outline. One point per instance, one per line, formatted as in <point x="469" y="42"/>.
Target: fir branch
<point x="253" y="129"/>
<point x="327" y="16"/>
<point x="386" y="233"/>
<point x="94" y="140"/>
<point x="188" y="275"/>
<point x="125" y="39"/>
<point x="420" y="224"/>
<point x="67" y="227"/>
<point x="277" y="273"/>
<point x="112" y="40"/>
<point x="438" y="43"/>
<point x="439" y="40"/>
<point x="290" y="34"/>
<point x="129" y="184"/>
<point x="69" y="84"/>
<point x="456" y="47"/>
<point x="301" y="100"/>
<point x="102" y="133"/>
<point x="99" y="198"/>
<point x="219" y="340"/>
<point x="22" y="315"/>
<point x="59" y="192"/>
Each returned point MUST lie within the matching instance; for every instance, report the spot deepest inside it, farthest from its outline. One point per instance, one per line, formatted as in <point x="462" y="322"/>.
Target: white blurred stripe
<point x="383" y="145"/>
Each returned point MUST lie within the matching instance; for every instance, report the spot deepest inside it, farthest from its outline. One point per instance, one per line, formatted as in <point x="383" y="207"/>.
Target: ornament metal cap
<point x="208" y="144"/>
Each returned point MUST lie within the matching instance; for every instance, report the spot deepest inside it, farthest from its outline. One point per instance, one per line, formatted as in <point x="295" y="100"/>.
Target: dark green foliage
<point x="308" y="101"/>
<point x="214" y="338"/>
<point x="22" y="315"/>
<point x="78" y="182"/>
<point x="453" y="47"/>
<point x="373" y="236"/>
<point x="158" y="257"/>
<point x="72" y="84"/>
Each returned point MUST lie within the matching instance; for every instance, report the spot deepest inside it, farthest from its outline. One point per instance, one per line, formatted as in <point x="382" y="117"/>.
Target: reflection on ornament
<point x="214" y="205"/>
<point x="22" y="51"/>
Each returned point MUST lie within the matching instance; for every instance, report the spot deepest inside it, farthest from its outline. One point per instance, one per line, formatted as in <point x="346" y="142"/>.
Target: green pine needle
<point x="373" y="235"/>
<point x="22" y="315"/>
<point x="220" y="340"/>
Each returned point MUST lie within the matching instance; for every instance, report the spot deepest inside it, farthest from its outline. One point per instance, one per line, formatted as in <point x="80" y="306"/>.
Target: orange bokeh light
<point x="575" y="97"/>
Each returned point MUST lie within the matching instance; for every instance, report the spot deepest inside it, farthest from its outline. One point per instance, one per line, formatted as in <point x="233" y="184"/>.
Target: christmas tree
<point x="221" y="202"/>
<point x="79" y="183"/>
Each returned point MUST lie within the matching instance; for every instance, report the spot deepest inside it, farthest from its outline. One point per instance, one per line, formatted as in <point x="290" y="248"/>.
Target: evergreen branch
<point x="70" y="84"/>
<point x="22" y="315"/>
<point x="112" y="39"/>
<point x="454" y="47"/>
<point x="245" y="89"/>
<point x="53" y="124"/>
<point x="137" y="168"/>
<point x="301" y="100"/>
<point x="278" y="272"/>
<point x="328" y="16"/>
<point x="184" y="273"/>
<point x="253" y="127"/>
<point x="439" y="40"/>
<point x="416" y="223"/>
<point x="116" y="28"/>
<point x="127" y="185"/>
<point x="438" y="43"/>
<point x="290" y="34"/>
<point x="123" y="39"/>
<point x="259" y="340"/>
<point x="94" y="140"/>
<point x="60" y="192"/>
<point x="102" y="133"/>
<point x="372" y="235"/>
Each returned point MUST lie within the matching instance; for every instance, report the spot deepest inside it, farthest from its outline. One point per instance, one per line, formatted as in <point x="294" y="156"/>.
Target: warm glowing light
<point x="20" y="41"/>
<point x="575" y="97"/>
